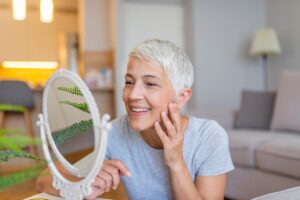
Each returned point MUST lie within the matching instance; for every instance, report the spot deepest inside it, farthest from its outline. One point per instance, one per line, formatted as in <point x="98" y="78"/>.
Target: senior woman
<point x="155" y="150"/>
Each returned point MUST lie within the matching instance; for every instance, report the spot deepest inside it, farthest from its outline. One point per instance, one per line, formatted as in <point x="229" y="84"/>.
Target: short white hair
<point x="173" y="60"/>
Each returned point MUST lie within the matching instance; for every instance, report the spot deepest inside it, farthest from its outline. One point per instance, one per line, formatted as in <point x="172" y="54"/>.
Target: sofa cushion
<point x="243" y="142"/>
<point x="256" y="110"/>
<point x="287" y="106"/>
<point x="280" y="154"/>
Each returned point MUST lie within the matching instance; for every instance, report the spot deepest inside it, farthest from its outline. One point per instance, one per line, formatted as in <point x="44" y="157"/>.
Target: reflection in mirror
<point x="70" y="122"/>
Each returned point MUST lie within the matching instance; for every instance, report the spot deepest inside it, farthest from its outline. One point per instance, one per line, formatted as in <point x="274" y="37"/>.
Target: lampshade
<point x="265" y="42"/>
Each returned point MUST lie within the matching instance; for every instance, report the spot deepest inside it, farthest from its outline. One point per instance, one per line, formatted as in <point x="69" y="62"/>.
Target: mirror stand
<point x="70" y="190"/>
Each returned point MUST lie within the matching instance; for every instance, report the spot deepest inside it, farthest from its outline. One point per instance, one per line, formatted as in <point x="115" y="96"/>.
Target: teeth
<point x="140" y="109"/>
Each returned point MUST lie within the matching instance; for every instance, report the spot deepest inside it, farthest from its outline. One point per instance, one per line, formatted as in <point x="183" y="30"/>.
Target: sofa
<point x="264" y="140"/>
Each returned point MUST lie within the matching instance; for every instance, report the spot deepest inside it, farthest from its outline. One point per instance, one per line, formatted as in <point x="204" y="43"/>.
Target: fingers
<point x="175" y="116"/>
<point x="114" y="174"/>
<point x="99" y="183"/>
<point x="171" y="131"/>
<point x="103" y="181"/>
<point x="110" y="174"/>
<point x="108" y="177"/>
<point x="120" y="166"/>
<point x="172" y="123"/>
<point x="95" y="192"/>
<point x="161" y="134"/>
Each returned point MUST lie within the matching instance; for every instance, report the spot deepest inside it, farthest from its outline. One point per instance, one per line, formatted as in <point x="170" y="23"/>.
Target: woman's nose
<point x="136" y="92"/>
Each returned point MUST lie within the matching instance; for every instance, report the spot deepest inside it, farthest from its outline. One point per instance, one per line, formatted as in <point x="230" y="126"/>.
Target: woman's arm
<point x="211" y="187"/>
<point x="205" y="187"/>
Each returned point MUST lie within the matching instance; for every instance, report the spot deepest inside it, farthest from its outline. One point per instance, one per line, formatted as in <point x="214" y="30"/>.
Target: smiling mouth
<point x="140" y="110"/>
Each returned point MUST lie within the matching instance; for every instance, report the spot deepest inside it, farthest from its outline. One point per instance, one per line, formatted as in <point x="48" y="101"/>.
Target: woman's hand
<point x="171" y="136"/>
<point x="109" y="177"/>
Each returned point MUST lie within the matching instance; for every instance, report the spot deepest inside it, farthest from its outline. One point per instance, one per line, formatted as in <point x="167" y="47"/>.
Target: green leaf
<point x="72" y="90"/>
<point x="16" y="142"/>
<point x="71" y="131"/>
<point x="11" y="107"/>
<point x="5" y="155"/>
<point x="81" y="106"/>
<point x="19" y="177"/>
<point x="11" y="131"/>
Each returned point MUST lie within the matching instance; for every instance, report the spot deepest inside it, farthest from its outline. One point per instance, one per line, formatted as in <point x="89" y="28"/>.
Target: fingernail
<point x="164" y="113"/>
<point x="128" y="174"/>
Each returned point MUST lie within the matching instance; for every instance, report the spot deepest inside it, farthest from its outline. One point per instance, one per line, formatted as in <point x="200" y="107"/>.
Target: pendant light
<point x="46" y="11"/>
<point x="19" y="9"/>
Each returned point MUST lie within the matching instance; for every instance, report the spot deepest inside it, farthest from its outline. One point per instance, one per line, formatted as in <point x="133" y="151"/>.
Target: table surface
<point x="27" y="189"/>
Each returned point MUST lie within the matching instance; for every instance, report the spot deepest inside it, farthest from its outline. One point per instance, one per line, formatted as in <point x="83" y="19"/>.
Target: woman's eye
<point x="151" y="84"/>
<point x="128" y="82"/>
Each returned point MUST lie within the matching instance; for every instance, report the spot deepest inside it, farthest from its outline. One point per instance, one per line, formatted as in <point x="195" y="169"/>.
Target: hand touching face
<point x="171" y="133"/>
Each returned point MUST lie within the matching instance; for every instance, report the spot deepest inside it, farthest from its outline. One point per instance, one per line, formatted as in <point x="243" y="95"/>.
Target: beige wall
<point x="31" y="39"/>
<point x="284" y="17"/>
<point x="221" y="38"/>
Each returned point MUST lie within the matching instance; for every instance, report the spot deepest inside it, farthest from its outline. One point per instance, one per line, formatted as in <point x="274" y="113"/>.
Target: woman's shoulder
<point x="203" y="124"/>
<point x="119" y="125"/>
<point x="204" y="127"/>
<point x="119" y="121"/>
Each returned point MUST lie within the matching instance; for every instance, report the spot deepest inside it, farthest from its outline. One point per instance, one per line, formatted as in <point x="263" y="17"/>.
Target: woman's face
<point x="147" y="92"/>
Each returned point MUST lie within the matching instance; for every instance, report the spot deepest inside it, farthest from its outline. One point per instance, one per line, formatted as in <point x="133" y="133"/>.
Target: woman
<point x="158" y="152"/>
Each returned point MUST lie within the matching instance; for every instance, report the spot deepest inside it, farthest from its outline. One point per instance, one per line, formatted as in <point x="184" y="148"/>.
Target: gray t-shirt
<point x="205" y="150"/>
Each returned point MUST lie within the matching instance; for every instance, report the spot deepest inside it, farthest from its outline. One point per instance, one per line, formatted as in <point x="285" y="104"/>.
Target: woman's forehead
<point x="145" y="67"/>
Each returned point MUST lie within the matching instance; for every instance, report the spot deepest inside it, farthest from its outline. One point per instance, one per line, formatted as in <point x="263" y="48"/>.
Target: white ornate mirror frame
<point x="74" y="190"/>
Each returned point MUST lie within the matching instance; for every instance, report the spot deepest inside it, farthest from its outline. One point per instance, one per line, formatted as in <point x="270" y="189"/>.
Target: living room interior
<point x="254" y="96"/>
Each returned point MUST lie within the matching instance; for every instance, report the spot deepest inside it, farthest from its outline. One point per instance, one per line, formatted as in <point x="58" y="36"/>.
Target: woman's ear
<point x="183" y="97"/>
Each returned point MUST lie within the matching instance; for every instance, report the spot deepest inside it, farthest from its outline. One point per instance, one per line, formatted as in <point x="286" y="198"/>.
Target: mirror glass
<point x="70" y="123"/>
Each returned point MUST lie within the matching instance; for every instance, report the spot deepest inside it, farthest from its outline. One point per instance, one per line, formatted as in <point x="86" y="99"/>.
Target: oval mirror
<point x="74" y="130"/>
<point x="70" y="123"/>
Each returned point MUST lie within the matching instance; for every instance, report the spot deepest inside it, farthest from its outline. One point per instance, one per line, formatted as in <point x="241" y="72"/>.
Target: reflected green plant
<point x="77" y="128"/>
<point x="71" y="131"/>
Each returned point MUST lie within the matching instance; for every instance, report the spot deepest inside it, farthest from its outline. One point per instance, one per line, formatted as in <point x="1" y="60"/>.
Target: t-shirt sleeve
<point x="216" y="152"/>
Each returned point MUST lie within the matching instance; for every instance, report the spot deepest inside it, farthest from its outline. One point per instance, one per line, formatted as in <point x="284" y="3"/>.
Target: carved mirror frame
<point x="68" y="189"/>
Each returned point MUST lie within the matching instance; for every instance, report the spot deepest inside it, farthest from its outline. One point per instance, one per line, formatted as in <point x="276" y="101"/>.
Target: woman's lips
<point x="137" y="111"/>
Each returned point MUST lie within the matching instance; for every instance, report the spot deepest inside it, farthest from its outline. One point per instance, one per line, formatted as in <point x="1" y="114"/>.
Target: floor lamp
<point x="265" y="43"/>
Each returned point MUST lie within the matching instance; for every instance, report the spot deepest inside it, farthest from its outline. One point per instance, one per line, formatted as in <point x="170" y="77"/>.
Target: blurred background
<point x="93" y="38"/>
<point x="234" y="45"/>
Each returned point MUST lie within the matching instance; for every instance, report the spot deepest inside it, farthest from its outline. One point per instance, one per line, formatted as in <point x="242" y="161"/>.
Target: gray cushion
<point x="256" y="110"/>
<point x="17" y="93"/>
<point x="287" y="107"/>
<point x="280" y="154"/>
<point x="242" y="144"/>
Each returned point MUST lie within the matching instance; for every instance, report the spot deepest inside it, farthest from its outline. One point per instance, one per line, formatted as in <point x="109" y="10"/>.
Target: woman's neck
<point x="152" y="139"/>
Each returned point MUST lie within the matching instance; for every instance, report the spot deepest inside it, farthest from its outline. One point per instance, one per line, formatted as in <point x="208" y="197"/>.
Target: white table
<point x="288" y="194"/>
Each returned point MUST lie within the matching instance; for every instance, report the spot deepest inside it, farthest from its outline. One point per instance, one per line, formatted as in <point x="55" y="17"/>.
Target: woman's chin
<point x="140" y="127"/>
